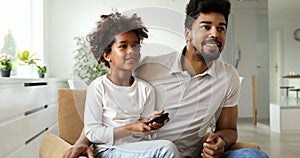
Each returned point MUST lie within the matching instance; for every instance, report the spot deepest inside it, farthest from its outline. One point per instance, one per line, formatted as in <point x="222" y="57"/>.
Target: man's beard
<point x="201" y="55"/>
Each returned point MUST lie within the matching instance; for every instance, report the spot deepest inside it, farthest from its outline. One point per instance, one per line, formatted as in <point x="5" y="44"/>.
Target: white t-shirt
<point x="192" y="101"/>
<point x="108" y="105"/>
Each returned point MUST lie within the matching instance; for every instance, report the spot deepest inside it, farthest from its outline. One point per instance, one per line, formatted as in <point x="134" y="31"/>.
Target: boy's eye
<point x="123" y="46"/>
<point x="137" y="47"/>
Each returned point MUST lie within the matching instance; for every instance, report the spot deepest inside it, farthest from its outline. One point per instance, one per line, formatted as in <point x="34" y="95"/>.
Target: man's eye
<point x="205" y="27"/>
<point x="221" y="29"/>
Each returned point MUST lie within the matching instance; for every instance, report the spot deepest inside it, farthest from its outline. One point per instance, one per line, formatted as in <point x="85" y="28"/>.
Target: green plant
<point x="85" y="65"/>
<point x="41" y="68"/>
<point x="5" y="62"/>
<point x="26" y="59"/>
<point x="9" y="45"/>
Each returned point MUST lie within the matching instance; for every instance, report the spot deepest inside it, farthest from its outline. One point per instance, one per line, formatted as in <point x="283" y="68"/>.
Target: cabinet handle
<point x="35" y="84"/>
<point x="35" y="136"/>
<point x="35" y="110"/>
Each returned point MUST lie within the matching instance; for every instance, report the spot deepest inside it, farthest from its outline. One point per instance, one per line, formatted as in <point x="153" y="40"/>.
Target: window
<point x="21" y="23"/>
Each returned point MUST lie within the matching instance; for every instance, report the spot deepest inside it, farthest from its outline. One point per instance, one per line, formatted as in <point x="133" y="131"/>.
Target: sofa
<point x="70" y="124"/>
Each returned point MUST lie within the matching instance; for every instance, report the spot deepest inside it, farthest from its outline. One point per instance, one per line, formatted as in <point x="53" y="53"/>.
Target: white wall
<point x="291" y="47"/>
<point x="65" y="19"/>
<point x="284" y="49"/>
<point x="245" y="37"/>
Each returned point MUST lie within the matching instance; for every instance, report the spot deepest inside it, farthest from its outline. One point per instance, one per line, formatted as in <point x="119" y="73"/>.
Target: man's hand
<point x="213" y="147"/>
<point x="78" y="150"/>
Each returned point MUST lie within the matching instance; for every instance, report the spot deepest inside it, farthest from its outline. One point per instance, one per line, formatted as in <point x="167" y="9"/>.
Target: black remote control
<point x="160" y="119"/>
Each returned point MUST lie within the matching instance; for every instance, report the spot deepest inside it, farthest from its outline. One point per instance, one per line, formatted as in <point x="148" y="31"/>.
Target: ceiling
<point x="249" y="3"/>
<point x="284" y="7"/>
<point x="275" y="7"/>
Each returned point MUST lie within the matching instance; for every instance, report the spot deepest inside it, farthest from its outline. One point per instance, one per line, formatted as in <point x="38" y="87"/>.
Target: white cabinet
<point x="284" y="118"/>
<point x="28" y="109"/>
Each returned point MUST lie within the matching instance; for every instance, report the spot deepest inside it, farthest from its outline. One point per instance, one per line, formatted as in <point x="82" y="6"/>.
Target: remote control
<point x="160" y="119"/>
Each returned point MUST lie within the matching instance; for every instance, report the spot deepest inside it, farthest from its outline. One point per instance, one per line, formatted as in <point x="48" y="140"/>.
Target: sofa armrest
<point x="53" y="146"/>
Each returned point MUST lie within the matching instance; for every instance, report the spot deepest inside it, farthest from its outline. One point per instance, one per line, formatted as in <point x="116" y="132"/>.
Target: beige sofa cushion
<point x="52" y="146"/>
<point x="70" y="114"/>
<point x="70" y="124"/>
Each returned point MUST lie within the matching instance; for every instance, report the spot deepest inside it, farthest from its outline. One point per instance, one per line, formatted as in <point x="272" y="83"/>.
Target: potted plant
<point x="26" y="62"/>
<point x="5" y="65"/>
<point x="26" y="59"/>
<point x="41" y="69"/>
<point x="85" y="65"/>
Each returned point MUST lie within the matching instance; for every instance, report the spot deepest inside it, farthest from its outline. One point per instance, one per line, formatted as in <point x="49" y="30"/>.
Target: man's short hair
<point x="195" y="7"/>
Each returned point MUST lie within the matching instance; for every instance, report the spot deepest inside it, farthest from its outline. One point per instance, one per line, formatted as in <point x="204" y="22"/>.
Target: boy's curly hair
<point x="102" y="39"/>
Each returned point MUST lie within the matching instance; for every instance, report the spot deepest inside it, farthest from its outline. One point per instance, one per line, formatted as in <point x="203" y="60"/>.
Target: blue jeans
<point x="142" y="149"/>
<point x="245" y="153"/>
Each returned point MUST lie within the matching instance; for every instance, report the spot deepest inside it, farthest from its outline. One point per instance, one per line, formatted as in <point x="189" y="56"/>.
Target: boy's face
<point x="125" y="52"/>
<point x="208" y="35"/>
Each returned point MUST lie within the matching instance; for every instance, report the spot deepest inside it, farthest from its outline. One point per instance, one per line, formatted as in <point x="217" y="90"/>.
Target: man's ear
<point x="187" y="34"/>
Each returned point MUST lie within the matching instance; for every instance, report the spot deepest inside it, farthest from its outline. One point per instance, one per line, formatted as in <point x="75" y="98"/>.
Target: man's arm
<point x="81" y="147"/>
<point x="226" y="126"/>
<point x="225" y="134"/>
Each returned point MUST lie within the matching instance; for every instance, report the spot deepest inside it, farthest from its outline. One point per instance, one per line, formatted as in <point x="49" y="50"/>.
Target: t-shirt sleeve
<point x="149" y="103"/>
<point x="233" y="91"/>
<point x="94" y="129"/>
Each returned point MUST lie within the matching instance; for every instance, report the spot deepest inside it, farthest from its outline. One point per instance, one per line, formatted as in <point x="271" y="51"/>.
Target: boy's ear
<point x="106" y="56"/>
<point x="187" y="34"/>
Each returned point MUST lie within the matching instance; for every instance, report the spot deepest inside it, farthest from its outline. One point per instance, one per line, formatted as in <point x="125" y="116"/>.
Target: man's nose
<point x="213" y="32"/>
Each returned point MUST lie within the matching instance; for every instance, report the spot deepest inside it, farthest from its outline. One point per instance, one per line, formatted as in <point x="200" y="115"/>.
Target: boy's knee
<point x="169" y="149"/>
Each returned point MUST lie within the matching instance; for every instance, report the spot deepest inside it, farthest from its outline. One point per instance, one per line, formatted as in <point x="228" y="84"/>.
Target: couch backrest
<point x="70" y="114"/>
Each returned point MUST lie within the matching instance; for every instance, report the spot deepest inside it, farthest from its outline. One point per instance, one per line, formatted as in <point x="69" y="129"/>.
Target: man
<point x="195" y="88"/>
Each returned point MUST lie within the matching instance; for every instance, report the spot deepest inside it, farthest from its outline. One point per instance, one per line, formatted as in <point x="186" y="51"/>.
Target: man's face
<point x="208" y="35"/>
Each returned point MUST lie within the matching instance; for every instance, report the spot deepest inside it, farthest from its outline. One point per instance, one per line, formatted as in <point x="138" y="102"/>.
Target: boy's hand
<point x="156" y="125"/>
<point x="77" y="150"/>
